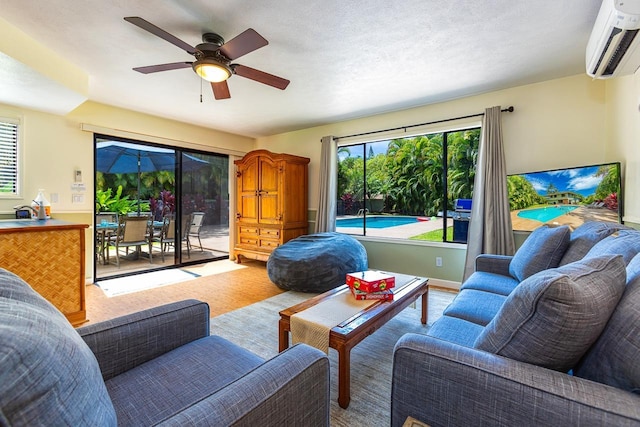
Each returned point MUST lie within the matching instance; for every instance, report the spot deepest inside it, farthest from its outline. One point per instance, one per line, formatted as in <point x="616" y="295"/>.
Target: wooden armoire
<point x="271" y="202"/>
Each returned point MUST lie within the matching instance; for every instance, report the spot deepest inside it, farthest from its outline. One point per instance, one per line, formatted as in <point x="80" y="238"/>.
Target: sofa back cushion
<point x="543" y="249"/>
<point x="552" y="318"/>
<point x="585" y="237"/>
<point x="47" y="373"/>
<point x="624" y="242"/>
<point x="613" y="359"/>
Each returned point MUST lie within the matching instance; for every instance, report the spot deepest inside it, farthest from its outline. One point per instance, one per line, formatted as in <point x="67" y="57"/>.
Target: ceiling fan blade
<point x="162" y="67"/>
<point x="221" y="90"/>
<point x="243" y="43"/>
<point x="260" y="76"/>
<point x="156" y="31"/>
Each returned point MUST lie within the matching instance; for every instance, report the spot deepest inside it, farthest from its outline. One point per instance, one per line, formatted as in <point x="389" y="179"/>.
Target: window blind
<point x="8" y="156"/>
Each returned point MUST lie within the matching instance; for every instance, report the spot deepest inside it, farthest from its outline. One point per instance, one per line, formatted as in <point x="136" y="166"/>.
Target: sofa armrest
<point x="441" y="383"/>
<point x="498" y="264"/>
<point x="291" y="389"/>
<point x="128" y="341"/>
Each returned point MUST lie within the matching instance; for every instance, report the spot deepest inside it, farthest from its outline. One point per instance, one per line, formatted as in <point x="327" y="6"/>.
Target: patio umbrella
<point x="123" y="157"/>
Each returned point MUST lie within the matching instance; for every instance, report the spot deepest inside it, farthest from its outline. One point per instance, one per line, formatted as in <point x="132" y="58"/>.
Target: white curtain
<point x="326" y="215"/>
<point x="490" y="229"/>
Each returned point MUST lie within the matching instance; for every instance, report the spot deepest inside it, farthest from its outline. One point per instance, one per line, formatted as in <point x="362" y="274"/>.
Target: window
<point x="407" y="188"/>
<point x="9" y="157"/>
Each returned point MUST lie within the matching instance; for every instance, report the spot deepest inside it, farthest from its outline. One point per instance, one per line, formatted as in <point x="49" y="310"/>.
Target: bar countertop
<point x="8" y="225"/>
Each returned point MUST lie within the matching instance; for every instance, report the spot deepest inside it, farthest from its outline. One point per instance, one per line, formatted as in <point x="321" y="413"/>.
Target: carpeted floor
<point x="255" y="327"/>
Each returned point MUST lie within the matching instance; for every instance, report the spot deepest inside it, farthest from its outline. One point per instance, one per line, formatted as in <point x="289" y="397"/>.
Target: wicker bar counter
<point x="49" y="255"/>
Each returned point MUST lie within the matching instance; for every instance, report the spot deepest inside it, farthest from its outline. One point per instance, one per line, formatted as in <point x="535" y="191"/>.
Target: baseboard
<point x="447" y="284"/>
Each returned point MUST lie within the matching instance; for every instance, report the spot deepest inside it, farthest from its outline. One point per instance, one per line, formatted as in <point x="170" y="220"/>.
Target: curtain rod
<point x="506" y="110"/>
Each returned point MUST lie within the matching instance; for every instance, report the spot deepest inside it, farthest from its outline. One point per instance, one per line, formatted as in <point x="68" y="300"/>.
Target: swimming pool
<point x="547" y="213"/>
<point x="376" y="221"/>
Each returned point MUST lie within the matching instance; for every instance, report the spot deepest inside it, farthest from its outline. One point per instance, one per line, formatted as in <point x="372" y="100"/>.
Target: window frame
<point x="364" y="147"/>
<point x="18" y="148"/>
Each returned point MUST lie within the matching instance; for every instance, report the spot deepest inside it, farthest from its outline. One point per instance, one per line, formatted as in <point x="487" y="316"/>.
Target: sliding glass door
<point x="205" y="207"/>
<point x="182" y="193"/>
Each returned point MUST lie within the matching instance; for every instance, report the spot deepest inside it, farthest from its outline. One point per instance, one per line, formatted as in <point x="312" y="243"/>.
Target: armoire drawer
<point x="247" y="240"/>
<point x="268" y="243"/>
<point x="270" y="232"/>
<point x="248" y="230"/>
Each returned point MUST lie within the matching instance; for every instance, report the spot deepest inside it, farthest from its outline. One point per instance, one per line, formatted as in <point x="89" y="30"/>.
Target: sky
<point x="581" y="180"/>
<point x="379" y="147"/>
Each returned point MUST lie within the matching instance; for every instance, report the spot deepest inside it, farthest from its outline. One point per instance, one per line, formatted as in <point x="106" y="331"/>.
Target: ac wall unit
<point x="614" y="46"/>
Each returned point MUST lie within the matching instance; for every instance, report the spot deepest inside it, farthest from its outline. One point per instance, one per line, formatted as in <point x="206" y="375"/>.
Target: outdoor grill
<point x="461" y="217"/>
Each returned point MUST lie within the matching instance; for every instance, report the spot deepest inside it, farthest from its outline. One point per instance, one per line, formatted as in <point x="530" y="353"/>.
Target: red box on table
<point x="380" y="295"/>
<point x="370" y="281"/>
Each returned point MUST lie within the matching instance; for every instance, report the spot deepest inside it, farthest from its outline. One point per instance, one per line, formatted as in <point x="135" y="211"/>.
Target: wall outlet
<point x="438" y="261"/>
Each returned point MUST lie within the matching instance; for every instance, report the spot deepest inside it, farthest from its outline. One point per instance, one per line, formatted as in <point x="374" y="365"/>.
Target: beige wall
<point x="623" y="125"/>
<point x="556" y="124"/>
<point x="55" y="146"/>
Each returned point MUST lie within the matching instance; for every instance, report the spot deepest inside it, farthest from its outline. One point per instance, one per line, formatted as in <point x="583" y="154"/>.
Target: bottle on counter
<point x="40" y="202"/>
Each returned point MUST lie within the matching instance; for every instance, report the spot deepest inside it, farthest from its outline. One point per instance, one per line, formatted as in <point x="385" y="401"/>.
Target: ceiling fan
<point x="213" y="58"/>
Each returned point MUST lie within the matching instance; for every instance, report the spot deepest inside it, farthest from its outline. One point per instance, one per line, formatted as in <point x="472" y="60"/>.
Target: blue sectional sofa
<point x="550" y="336"/>
<point x="155" y="367"/>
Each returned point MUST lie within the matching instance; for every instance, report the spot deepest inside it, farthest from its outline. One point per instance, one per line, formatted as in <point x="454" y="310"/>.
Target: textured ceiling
<point x="345" y="59"/>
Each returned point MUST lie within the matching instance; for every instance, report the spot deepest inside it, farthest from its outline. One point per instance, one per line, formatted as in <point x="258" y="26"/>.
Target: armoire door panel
<point x="269" y="177"/>
<point x="269" y="212"/>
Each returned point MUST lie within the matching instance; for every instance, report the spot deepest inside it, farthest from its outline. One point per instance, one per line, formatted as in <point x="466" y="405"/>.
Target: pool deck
<point x="573" y="219"/>
<point x="399" y="231"/>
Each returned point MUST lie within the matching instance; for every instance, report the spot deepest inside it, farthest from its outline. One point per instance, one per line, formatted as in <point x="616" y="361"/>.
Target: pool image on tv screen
<point x="569" y="196"/>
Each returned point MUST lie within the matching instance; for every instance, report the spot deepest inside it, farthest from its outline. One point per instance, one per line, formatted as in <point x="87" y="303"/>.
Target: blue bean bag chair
<point x="316" y="262"/>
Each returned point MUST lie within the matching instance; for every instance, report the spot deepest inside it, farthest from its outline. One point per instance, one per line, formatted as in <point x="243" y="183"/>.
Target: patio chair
<point x="197" y="219"/>
<point x="104" y="230"/>
<point x="132" y="231"/>
<point x="167" y="235"/>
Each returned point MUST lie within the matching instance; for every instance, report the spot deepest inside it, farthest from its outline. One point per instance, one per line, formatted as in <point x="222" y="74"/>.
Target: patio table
<point x="106" y="229"/>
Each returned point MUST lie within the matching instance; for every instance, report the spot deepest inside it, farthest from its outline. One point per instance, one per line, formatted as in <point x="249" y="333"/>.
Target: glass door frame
<point x="178" y="259"/>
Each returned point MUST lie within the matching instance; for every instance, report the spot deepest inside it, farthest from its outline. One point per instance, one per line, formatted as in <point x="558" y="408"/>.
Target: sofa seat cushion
<point x="475" y="306"/>
<point x="162" y="387"/>
<point x="613" y="359"/>
<point x="543" y="249"/>
<point x="47" y="372"/>
<point x="455" y="330"/>
<point x="552" y="318"/>
<point x="585" y="237"/>
<point x="490" y="282"/>
<point x="625" y="243"/>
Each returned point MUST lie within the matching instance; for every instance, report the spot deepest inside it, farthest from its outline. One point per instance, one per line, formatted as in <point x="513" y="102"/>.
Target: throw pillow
<point x="586" y="236"/>
<point x="48" y="373"/>
<point x="613" y="359"/>
<point x="552" y="318"/>
<point x="624" y="242"/>
<point x="543" y="249"/>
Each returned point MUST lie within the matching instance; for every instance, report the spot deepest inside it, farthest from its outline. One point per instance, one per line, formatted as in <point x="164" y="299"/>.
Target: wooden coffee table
<point x="350" y="332"/>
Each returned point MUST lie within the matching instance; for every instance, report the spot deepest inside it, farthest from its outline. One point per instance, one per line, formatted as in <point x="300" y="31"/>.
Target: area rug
<point x="145" y="281"/>
<point x="255" y="327"/>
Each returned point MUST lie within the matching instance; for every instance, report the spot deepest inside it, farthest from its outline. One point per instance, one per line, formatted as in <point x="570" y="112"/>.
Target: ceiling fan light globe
<point x="212" y="70"/>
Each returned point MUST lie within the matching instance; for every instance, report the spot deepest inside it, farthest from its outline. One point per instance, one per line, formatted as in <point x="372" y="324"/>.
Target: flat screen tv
<point x="568" y="196"/>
